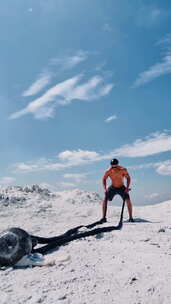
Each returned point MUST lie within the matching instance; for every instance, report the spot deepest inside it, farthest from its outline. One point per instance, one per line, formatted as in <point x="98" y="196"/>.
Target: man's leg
<point x="129" y="206"/>
<point x="109" y="194"/>
<point x="104" y="208"/>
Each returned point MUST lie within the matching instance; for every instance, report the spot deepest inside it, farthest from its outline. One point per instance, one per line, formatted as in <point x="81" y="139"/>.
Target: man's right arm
<point x="104" y="181"/>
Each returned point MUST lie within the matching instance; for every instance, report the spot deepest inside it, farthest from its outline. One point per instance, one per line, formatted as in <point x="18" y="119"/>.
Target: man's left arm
<point x="128" y="180"/>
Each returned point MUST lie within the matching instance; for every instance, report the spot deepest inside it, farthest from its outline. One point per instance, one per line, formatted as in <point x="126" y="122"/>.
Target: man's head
<point x="114" y="162"/>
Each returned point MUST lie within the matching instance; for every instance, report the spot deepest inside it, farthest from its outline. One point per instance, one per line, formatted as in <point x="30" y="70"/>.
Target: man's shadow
<point x="140" y="220"/>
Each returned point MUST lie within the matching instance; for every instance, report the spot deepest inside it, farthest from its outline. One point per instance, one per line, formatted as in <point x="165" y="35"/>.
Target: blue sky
<point x="82" y="82"/>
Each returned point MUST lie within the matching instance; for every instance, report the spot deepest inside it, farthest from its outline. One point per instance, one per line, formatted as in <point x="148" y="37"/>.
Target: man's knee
<point x="105" y="201"/>
<point x="128" y="201"/>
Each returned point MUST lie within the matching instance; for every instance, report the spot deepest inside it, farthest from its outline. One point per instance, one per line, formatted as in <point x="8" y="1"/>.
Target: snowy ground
<point x="131" y="266"/>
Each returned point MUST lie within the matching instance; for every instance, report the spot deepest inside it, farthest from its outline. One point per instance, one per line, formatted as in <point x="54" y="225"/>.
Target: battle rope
<point x="73" y="234"/>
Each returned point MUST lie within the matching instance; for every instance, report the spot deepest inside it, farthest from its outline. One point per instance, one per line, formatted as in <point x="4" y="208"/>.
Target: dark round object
<point x="14" y="244"/>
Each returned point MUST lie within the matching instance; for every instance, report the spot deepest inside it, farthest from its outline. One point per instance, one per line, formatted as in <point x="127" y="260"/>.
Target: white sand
<point x="131" y="266"/>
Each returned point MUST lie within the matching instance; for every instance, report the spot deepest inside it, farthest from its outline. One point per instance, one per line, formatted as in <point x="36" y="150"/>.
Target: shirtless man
<point x="117" y="175"/>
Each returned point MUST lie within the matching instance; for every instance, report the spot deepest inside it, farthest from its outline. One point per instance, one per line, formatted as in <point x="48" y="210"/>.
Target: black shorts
<point x="112" y="191"/>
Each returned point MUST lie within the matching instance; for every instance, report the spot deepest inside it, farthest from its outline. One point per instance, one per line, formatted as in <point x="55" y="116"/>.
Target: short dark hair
<point x="114" y="161"/>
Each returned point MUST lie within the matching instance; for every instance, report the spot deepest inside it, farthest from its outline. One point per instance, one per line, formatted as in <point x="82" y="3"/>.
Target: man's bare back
<point x="117" y="175"/>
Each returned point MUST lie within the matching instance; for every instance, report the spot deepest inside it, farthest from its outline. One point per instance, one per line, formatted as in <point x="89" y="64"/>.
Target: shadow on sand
<point x="141" y="220"/>
<point x="74" y="234"/>
<point x="70" y="235"/>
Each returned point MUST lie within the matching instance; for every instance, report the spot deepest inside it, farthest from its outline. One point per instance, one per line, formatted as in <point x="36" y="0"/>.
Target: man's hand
<point x="127" y="189"/>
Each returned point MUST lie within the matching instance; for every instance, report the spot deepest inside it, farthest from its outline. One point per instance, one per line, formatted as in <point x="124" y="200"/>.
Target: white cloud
<point x="152" y="195"/>
<point x="92" y="89"/>
<point x="110" y="118"/>
<point x="76" y="177"/>
<point x="164" y="168"/>
<point x="154" y="198"/>
<point x="64" y="160"/>
<point x="26" y="167"/>
<point x="69" y="62"/>
<point x="100" y="67"/>
<point x="144" y="166"/>
<point x="155" y="71"/>
<point x="66" y="185"/>
<point x="105" y="90"/>
<point x="7" y="180"/>
<point x="44" y="78"/>
<point x="78" y="156"/>
<point x="39" y="165"/>
<point x="154" y="15"/>
<point x="153" y="144"/>
<point x="164" y="42"/>
<point x="148" y="16"/>
<point x="41" y="82"/>
<point x="45" y="111"/>
<point x="107" y="27"/>
<point x="64" y="93"/>
<point x="159" y="69"/>
<point x="61" y="89"/>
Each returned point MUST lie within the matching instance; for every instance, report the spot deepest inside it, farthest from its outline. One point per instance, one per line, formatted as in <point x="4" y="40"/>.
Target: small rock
<point x="62" y="297"/>
<point x="162" y="230"/>
<point x="133" y="280"/>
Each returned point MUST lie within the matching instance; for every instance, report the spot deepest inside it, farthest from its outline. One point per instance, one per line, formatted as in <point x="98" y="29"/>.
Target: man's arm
<point x="104" y="181"/>
<point x="128" y="180"/>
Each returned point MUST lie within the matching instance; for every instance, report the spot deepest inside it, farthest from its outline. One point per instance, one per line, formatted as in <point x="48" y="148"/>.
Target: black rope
<point x="73" y="234"/>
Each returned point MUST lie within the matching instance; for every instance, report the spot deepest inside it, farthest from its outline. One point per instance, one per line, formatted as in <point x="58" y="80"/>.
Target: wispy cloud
<point x="69" y="62"/>
<point x="165" y="41"/>
<point x="64" y="63"/>
<point x="155" y="71"/>
<point x="41" y="82"/>
<point x="64" y="93"/>
<point x="40" y="104"/>
<point x="159" y="69"/>
<point x="148" y="16"/>
<point x="110" y="118"/>
<point x="107" y="27"/>
<point x="7" y="180"/>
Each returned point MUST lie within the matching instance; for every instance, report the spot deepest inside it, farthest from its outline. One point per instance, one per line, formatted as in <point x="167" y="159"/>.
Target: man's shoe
<point x="131" y="220"/>
<point x="103" y="220"/>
